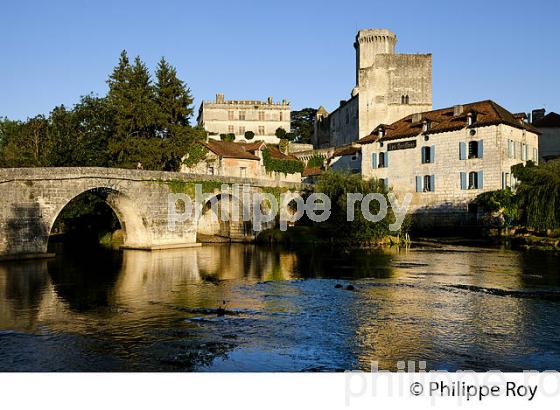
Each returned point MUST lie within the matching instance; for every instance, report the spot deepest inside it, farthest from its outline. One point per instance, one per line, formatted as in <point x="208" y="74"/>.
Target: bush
<point x="249" y="135"/>
<point x="502" y="201"/>
<point x="227" y="137"/>
<point x="316" y="161"/>
<point x="280" y="133"/>
<point x="336" y="185"/>
<point x="539" y="193"/>
<point x="286" y="166"/>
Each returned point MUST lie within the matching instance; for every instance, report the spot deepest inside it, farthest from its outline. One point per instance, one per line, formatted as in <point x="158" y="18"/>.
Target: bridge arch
<point x="221" y="218"/>
<point x="131" y="221"/>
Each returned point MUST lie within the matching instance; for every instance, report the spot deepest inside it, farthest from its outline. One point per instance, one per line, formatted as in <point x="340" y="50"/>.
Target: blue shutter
<point x="480" y="176"/>
<point x="374" y="160"/>
<point x="503" y="180"/>
<point x="510" y="150"/>
<point x="526" y="152"/>
<point x="423" y="155"/>
<point x="463" y="176"/>
<point x="433" y="182"/>
<point x="462" y="151"/>
<point x="418" y="184"/>
<point x="514" y="149"/>
<point x="386" y="159"/>
<point x="480" y="148"/>
<point x="522" y="151"/>
<point x="433" y="154"/>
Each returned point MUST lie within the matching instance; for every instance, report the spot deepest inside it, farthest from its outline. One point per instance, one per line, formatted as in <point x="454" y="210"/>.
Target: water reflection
<point x="245" y="307"/>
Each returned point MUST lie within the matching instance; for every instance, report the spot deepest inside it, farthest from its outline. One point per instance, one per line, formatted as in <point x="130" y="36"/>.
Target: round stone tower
<point x="371" y="42"/>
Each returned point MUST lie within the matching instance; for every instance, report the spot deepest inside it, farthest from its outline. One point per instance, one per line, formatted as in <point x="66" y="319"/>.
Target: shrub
<point x="280" y="133"/>
<point x="227" y="137"/>
<point x="316" y="161"/>
<point x="336" y="185"/>
<point x="249" y="135"/>
<point x="286" y="166"/>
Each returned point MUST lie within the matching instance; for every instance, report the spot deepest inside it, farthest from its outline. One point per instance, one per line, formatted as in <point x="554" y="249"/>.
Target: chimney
<point x="220" y="98"/>
<point x="538" y="115"/>
<point x="416" y="117"/>
<point x="457" y="110"/>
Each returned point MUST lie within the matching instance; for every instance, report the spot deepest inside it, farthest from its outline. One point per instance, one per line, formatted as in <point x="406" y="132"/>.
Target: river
<point x="237" y="307"/>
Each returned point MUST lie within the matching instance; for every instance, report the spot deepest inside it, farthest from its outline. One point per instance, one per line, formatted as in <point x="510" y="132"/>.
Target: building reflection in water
<point x="436" y="304"/>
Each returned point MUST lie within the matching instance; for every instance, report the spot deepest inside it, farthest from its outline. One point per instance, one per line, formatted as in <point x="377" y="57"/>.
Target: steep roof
<point x="277" y="154"/>
<point x="550" y="120"/>
<point x="484" y="113"/>
<point x="227" y="149"/>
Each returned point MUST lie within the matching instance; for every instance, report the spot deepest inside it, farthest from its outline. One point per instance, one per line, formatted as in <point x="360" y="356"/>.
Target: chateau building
<point x="388" y="87"/>
<point x="446" y="157"/>
<point x="237" y="117"/>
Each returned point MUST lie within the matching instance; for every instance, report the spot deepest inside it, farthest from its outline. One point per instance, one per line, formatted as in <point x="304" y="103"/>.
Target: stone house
<point x="244" y="160"/>
<point x="347" y="158"/>
<point x="549" y="140"/>
<point x="445" y="158"/>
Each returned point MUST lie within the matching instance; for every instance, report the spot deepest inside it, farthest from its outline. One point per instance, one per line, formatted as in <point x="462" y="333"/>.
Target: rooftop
<point x="550" y="120"/>
<point x="482" y="113"/>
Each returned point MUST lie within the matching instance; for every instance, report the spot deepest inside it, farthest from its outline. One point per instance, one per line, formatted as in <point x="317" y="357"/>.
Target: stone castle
<point x="389" y="86"/>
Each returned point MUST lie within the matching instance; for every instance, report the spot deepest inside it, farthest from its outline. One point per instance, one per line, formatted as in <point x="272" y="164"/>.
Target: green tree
<point x="249" y="135"/>
<point x="173" y="98"/>
<point x="302" y="124"/>
<point x="280" y="133"/>
<point x="336" y="185"/>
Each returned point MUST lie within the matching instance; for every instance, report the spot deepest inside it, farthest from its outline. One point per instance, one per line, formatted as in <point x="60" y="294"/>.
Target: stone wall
<point x="448" y="198"/>
<point x="32" y="198"/>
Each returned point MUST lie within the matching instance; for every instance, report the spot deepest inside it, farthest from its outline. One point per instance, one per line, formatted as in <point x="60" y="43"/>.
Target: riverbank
<point x="313" y="236"/>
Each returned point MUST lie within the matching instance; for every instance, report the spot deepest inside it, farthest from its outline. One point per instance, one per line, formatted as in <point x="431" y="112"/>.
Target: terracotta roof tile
<point x="312" y="171"/>
<point x="227" y="149"/>
<point x="443" y="120"/>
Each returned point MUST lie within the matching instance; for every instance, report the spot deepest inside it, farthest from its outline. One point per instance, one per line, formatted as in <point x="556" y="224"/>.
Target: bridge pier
<point x="31" y="199"/>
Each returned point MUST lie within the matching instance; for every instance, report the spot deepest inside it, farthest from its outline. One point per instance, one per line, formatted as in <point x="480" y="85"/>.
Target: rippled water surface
<point x="250" y="308"/>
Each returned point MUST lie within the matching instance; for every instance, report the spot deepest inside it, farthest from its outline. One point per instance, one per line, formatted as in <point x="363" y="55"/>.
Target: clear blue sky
<point x="55" y="51"/>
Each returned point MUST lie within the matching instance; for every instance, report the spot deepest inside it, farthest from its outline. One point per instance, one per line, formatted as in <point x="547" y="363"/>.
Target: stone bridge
<point x="31" y="199"/>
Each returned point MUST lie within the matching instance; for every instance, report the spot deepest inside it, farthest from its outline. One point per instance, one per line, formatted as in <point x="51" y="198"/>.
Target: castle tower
<point x="370" y="43"/>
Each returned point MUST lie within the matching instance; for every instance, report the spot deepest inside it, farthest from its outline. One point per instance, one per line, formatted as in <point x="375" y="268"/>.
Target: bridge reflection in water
<point x="455" y="307"/>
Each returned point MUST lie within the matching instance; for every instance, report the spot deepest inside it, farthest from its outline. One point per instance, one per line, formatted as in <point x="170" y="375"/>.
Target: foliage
<point x="302" y="124"/>
<point x="283" y="145"/>
<point x="286" y="166"/>
<point x="316" y="161"/>
<point x="539" y="193"/>
<point x="503" y="201"/>
<point x="195" y="154"/>
<point x="290" y="136"/>
<point x="280" y="133"/>
<point x="336" y="185"/>
<point x="249" y="135"/>
<point x="227" y="137"/>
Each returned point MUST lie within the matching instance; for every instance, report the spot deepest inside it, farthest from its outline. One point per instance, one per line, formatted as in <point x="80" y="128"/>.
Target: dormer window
<point x="380" y="132"/>
<point x="471" y="118"/>
<point x="426" y="125"/>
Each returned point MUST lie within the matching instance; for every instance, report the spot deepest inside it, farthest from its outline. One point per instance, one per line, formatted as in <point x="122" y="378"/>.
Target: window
<point x="241" y="115"/>
<point x="426" y="183"/>
<point x="428" y="154"/>
<point x="261" y="130"/>
<point x="210" y="170"/>
<point x="475" y="150"/>
<point x="243" y="172"/>
<point x="261" y="115"/>
<point x="280" y="115"/>
<point x="472" y="180"/>
<point x="404" y="99"/>
<point x="241" y="130"/>
<point x="382" y="160"/>
<point x="505" y="180"/>
<point x="374" y="160"/>
<point x="230" y="129"/>
<point x="230" y="115"/>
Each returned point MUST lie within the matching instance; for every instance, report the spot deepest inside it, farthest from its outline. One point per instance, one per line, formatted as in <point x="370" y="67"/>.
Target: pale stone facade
<point x="238" y="116"/>
<point x="230" y="159"/>
<point x="445" y="169"/>
<point x="388" y="87"/>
